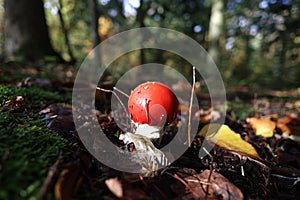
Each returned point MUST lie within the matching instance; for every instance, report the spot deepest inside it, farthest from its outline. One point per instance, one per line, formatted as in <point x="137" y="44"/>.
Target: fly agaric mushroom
<point x="152" y="105"/>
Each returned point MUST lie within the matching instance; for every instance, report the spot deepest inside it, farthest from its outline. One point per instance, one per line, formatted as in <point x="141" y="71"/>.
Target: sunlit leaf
<point x="289" y="126"/>
<point x="263" y="126"/>
<point x="227" y="139"/>
<point x="282" y="122"/>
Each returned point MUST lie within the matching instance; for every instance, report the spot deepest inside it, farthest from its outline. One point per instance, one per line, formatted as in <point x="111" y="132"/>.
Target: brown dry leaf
<point x="217" y="186"/>
<point x="292" y="122"/>
<point x="115" y="186"/>
<point x="59" y="118"/>
<point x="205" y="116"/>
<point x="227" y="139"/>
<point x="289" y="125"/>
<point x="282" y="122"/>
<point x="15" y="103"/>
<point x="68" y="182"/>
<point x="263" y="126"/>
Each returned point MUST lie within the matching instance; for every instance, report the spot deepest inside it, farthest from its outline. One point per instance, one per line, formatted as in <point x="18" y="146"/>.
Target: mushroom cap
<point x="153" y="103"/>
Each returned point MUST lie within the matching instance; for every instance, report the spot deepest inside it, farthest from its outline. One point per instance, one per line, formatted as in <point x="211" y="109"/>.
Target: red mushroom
<point x="153" y="103"/>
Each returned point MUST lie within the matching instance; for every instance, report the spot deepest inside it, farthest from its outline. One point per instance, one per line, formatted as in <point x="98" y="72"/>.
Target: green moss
<point x="32" y="147"/>
<point x="34" y="96"/>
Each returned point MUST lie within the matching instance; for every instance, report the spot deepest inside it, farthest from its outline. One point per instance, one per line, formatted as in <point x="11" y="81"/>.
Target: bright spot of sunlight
<point x="130" y="7"/>
<point x="197" y="28"/>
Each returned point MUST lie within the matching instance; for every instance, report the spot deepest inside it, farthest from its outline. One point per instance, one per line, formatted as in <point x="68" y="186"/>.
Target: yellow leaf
<point x="264" y="126"/>
<point x="227" y="139"/>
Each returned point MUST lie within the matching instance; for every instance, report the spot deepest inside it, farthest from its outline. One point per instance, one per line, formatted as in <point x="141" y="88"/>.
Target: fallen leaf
<point x="227" y="139"/>
<point x="282" y="122"/>
<point x="15" y="103"/>
<point x="209" y="186"/>
<point x="205" y="116"/>
<point x="292" y="123"/>
<point x="29" y="81"/>
<point x="115" y="186"/>
<point x="59" y="118"/>
<point x="263" y="126"/>
<point x="68" y="182"/>
<point x="289" y="126"/>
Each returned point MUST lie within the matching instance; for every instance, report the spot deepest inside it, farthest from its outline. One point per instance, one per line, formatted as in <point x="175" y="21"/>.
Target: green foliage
<point x="76" y="17"/>
<point x="34" y="96"/>
<point x="31" y="147"/>
<point x="260" y="41"/>
<point x="32" y="150"/>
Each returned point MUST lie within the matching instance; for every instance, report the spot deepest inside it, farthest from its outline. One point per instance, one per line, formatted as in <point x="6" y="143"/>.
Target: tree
<point x="94" y="10"/>
<point x="25" y="30"/>
<point x="65" y="32"/>
<point x="216" y="30"/>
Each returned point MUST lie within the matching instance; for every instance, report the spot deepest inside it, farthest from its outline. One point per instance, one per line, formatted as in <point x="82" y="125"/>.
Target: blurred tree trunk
<point x="140" y="20"/>
<point x="216" y="30"/>
<point x="65" y="32"/>
<point x="94" y="10"/>
<point x="25" y="31"/>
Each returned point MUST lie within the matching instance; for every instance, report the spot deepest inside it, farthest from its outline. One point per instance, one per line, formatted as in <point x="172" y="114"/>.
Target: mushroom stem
<point x="147" y="109"/>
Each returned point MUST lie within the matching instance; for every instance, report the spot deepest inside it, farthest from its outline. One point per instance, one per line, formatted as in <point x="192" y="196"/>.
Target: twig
<point x="258" y="162"/>
<point x="185" y="184"/>
<point x="121" y="92"/>
<point x="204" y="149"/>
<point x="190" y="108"/>
<point x="296" y="179"/>
<point x="118" y="98"/>
<point x="210" y="171"/>
<point x="49" y="177"/>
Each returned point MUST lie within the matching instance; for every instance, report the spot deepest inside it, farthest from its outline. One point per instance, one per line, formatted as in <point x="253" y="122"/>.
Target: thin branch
<point x="295" y="179"/>
<point x="49" y="179"/>
<point x="185" y="184"/>
<point x="190" y="108"/>
<point x="118" y="98"/>
<point x="121" y="92"/>
<point x="210" y="171"/>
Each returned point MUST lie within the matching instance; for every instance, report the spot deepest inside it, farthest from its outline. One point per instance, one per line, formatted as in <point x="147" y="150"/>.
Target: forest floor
<point x="42" y="157"/>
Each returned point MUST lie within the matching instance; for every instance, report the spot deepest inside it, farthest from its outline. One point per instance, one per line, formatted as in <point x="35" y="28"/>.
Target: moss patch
<point x="31" y="147"/>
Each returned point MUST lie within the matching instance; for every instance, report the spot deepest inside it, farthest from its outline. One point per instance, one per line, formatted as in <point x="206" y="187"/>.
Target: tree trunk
<point x="25" y="31"/>
<point x="94" y="10"/>
<point x="216" y="30"/>
<point x="65" y="32"/>
<point x="140" y="20"/>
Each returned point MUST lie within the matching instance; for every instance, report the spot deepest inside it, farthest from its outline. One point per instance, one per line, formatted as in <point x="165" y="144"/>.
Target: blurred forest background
<point x="254" y="43"/>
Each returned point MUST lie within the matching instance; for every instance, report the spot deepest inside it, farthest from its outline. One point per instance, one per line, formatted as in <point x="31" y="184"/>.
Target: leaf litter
<point x="265" y="165"/>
